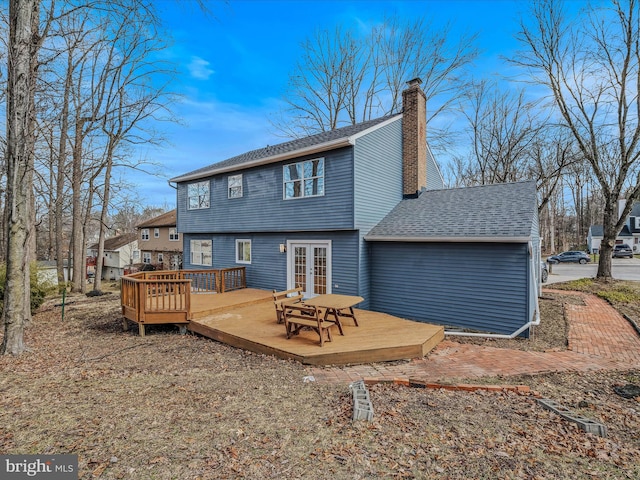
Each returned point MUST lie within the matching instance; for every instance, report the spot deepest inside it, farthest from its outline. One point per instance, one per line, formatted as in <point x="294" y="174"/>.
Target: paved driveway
<point x="622" y="269"/>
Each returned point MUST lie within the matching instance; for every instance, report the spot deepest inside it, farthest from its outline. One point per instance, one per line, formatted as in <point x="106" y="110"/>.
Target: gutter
<point x="380" y="238"/>
<point x="531" y="323"/>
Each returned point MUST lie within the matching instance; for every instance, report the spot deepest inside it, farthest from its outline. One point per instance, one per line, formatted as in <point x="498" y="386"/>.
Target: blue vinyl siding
<point x="434" y="176"/>
<point x="481" y="287"/>
<point x="377" y="186"/>
<point x="268" y="268"/>
<point x="262" y="207"/>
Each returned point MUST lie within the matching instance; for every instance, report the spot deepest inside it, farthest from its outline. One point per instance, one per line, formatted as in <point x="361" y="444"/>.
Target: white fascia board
<point x="376" y="238"/>
<point x="321" y="147"/>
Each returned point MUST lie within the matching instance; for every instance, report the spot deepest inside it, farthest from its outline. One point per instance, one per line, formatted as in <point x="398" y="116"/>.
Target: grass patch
<point x="621" y="294"/>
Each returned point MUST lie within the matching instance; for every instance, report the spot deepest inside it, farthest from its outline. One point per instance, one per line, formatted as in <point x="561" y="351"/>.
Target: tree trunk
<point x="609" y="235"/>
<point x="76" y="225"/>
<point x="22" y="53"/>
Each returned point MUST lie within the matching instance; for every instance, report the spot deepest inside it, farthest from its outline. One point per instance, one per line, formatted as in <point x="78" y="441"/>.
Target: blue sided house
<point x="362" y="210"/>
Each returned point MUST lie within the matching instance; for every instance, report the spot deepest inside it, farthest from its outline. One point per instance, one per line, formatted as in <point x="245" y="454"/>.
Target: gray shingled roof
<point x="501" y="212"/>
<point x="598" y="231"/>
<point x="292" y="146"/>
<point x="167" y="219"/>
<point x="114" y="243"/>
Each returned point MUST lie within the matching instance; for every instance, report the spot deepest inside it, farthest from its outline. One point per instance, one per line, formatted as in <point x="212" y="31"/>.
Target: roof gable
<point x="114" y="243"/>
<point x="499" y="212"/>
<point x="325" y="141"/>
<point x="167" y="219"/>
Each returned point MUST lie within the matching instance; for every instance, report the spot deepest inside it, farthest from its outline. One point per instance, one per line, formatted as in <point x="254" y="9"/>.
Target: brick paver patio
<point x="599" y="339"/>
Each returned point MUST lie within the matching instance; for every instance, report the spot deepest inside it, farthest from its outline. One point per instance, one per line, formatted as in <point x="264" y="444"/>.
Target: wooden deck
<point x="246" y="319"/>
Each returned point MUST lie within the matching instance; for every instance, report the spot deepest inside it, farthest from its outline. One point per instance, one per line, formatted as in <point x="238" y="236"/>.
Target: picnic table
<point x="336" y="305"/>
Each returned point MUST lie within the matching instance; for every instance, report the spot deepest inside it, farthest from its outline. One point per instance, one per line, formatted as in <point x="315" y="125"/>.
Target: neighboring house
<point x="630" y="233"/>
<point x="160" y="243"/>
<point x="118" y="252"/>
<point x="320" y="213"/>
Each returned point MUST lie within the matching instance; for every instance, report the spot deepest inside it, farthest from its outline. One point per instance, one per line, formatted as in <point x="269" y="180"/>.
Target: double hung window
<point x="304" y="179"/>
<point x="198" y="194"/>
<point x="234" y="185"/>
<point x="243" y="251"/>
<point x="201" y="252"/>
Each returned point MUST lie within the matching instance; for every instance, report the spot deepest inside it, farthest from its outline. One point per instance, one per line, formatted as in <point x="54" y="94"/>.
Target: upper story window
<point x="144" y="235"/>
<point x="146" y="257"/>
<point x="234" y="185"/>
<point x="304" y="179"/>
<point x="173" y="235"/>
<point x="156" y="233"/>
<point x="198" y="194"/>
<point x="243" y="251"/>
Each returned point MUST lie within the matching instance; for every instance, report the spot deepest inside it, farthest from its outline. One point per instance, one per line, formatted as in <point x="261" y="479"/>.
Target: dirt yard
<point x="184" y="407"/>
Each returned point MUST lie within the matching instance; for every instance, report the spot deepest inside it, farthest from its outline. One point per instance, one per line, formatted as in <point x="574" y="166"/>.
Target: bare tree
<point x="502" y="127"/>
<point x="344" y="78"/>
<point x="591" y="67"/>
<point x="24" y="42"/>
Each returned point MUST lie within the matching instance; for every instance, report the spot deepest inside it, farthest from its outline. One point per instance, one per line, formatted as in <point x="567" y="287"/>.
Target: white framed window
<point x="173" y="235"/>
<point x="304" y="179"/>
<point x="136" y="254"/>
<point x="156" y="233"/>
<point x="160" y="258"/>
<point x="198" y="194"/>
<point x="201" y="252"/>
<point x="146" y="257"/>
<point x="234" y="186"/>
<point x="144" y="235"/>
<point x="637" y="222"/>
<point x="243" y="251"/>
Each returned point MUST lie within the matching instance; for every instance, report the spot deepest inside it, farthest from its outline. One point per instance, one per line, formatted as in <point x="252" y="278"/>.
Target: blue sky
<point x="233" y="67"/>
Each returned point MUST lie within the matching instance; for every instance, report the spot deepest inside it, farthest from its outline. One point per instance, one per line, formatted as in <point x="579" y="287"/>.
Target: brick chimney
<point x="414" y="139"/>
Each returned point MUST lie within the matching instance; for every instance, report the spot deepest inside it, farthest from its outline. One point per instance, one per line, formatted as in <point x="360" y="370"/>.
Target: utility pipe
<point x="532" y="323"/>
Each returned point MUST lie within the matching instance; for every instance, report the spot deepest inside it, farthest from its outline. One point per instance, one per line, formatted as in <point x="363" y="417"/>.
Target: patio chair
<point x="291" y="296"/>
<point x="299" y="316"/>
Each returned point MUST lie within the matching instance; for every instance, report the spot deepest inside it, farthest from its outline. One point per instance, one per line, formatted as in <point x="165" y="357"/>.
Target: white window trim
<point x="302" y="179"/>
<point x="244" y="240"/>
<point x="160" y="258"/>
<point x="156" y="233"/>
<point x="146" y="257"/>
<point x="144" y="236"/>
<point x="201" y="260"/>
<point x="229" y="187"/>
<point x="203" y="200"/>
<point x="174" y="236"/>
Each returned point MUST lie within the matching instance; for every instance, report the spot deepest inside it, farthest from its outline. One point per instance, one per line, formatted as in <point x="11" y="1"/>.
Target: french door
<point x="309" y="266"/>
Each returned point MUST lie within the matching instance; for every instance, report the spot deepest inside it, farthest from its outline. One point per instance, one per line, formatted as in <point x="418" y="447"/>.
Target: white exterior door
<point x="309" y="266"/>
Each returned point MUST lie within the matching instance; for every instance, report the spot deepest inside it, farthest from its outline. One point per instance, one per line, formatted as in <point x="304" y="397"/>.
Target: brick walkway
<point x="599" y="339"/>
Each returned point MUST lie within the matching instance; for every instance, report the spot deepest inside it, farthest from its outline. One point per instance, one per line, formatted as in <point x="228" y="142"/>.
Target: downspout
<point x="531" y="323"/>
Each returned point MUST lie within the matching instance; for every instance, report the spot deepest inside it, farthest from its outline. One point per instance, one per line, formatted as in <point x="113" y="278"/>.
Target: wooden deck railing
<point x="165" y="296"/>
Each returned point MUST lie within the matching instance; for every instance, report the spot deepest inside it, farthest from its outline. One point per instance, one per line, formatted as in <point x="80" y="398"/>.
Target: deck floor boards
<point x="247" y="319"/>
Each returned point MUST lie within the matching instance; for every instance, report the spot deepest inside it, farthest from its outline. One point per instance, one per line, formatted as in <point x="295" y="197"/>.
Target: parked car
<point x="544" y="272"/>
<point x="571" y="256"/>
<point x="622" y="251"/>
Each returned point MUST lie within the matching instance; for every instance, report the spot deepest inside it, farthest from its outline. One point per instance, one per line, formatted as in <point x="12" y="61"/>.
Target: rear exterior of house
<point x="286" y="233"/>
<point x="299" y="214"/>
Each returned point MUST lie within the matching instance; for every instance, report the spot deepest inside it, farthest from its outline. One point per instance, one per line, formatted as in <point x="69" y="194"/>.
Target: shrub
<point x="39" y="291"/>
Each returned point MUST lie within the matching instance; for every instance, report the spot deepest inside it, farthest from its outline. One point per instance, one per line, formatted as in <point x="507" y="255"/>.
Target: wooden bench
<point x="299" y="316"/>
<point x="291" y="296"/>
